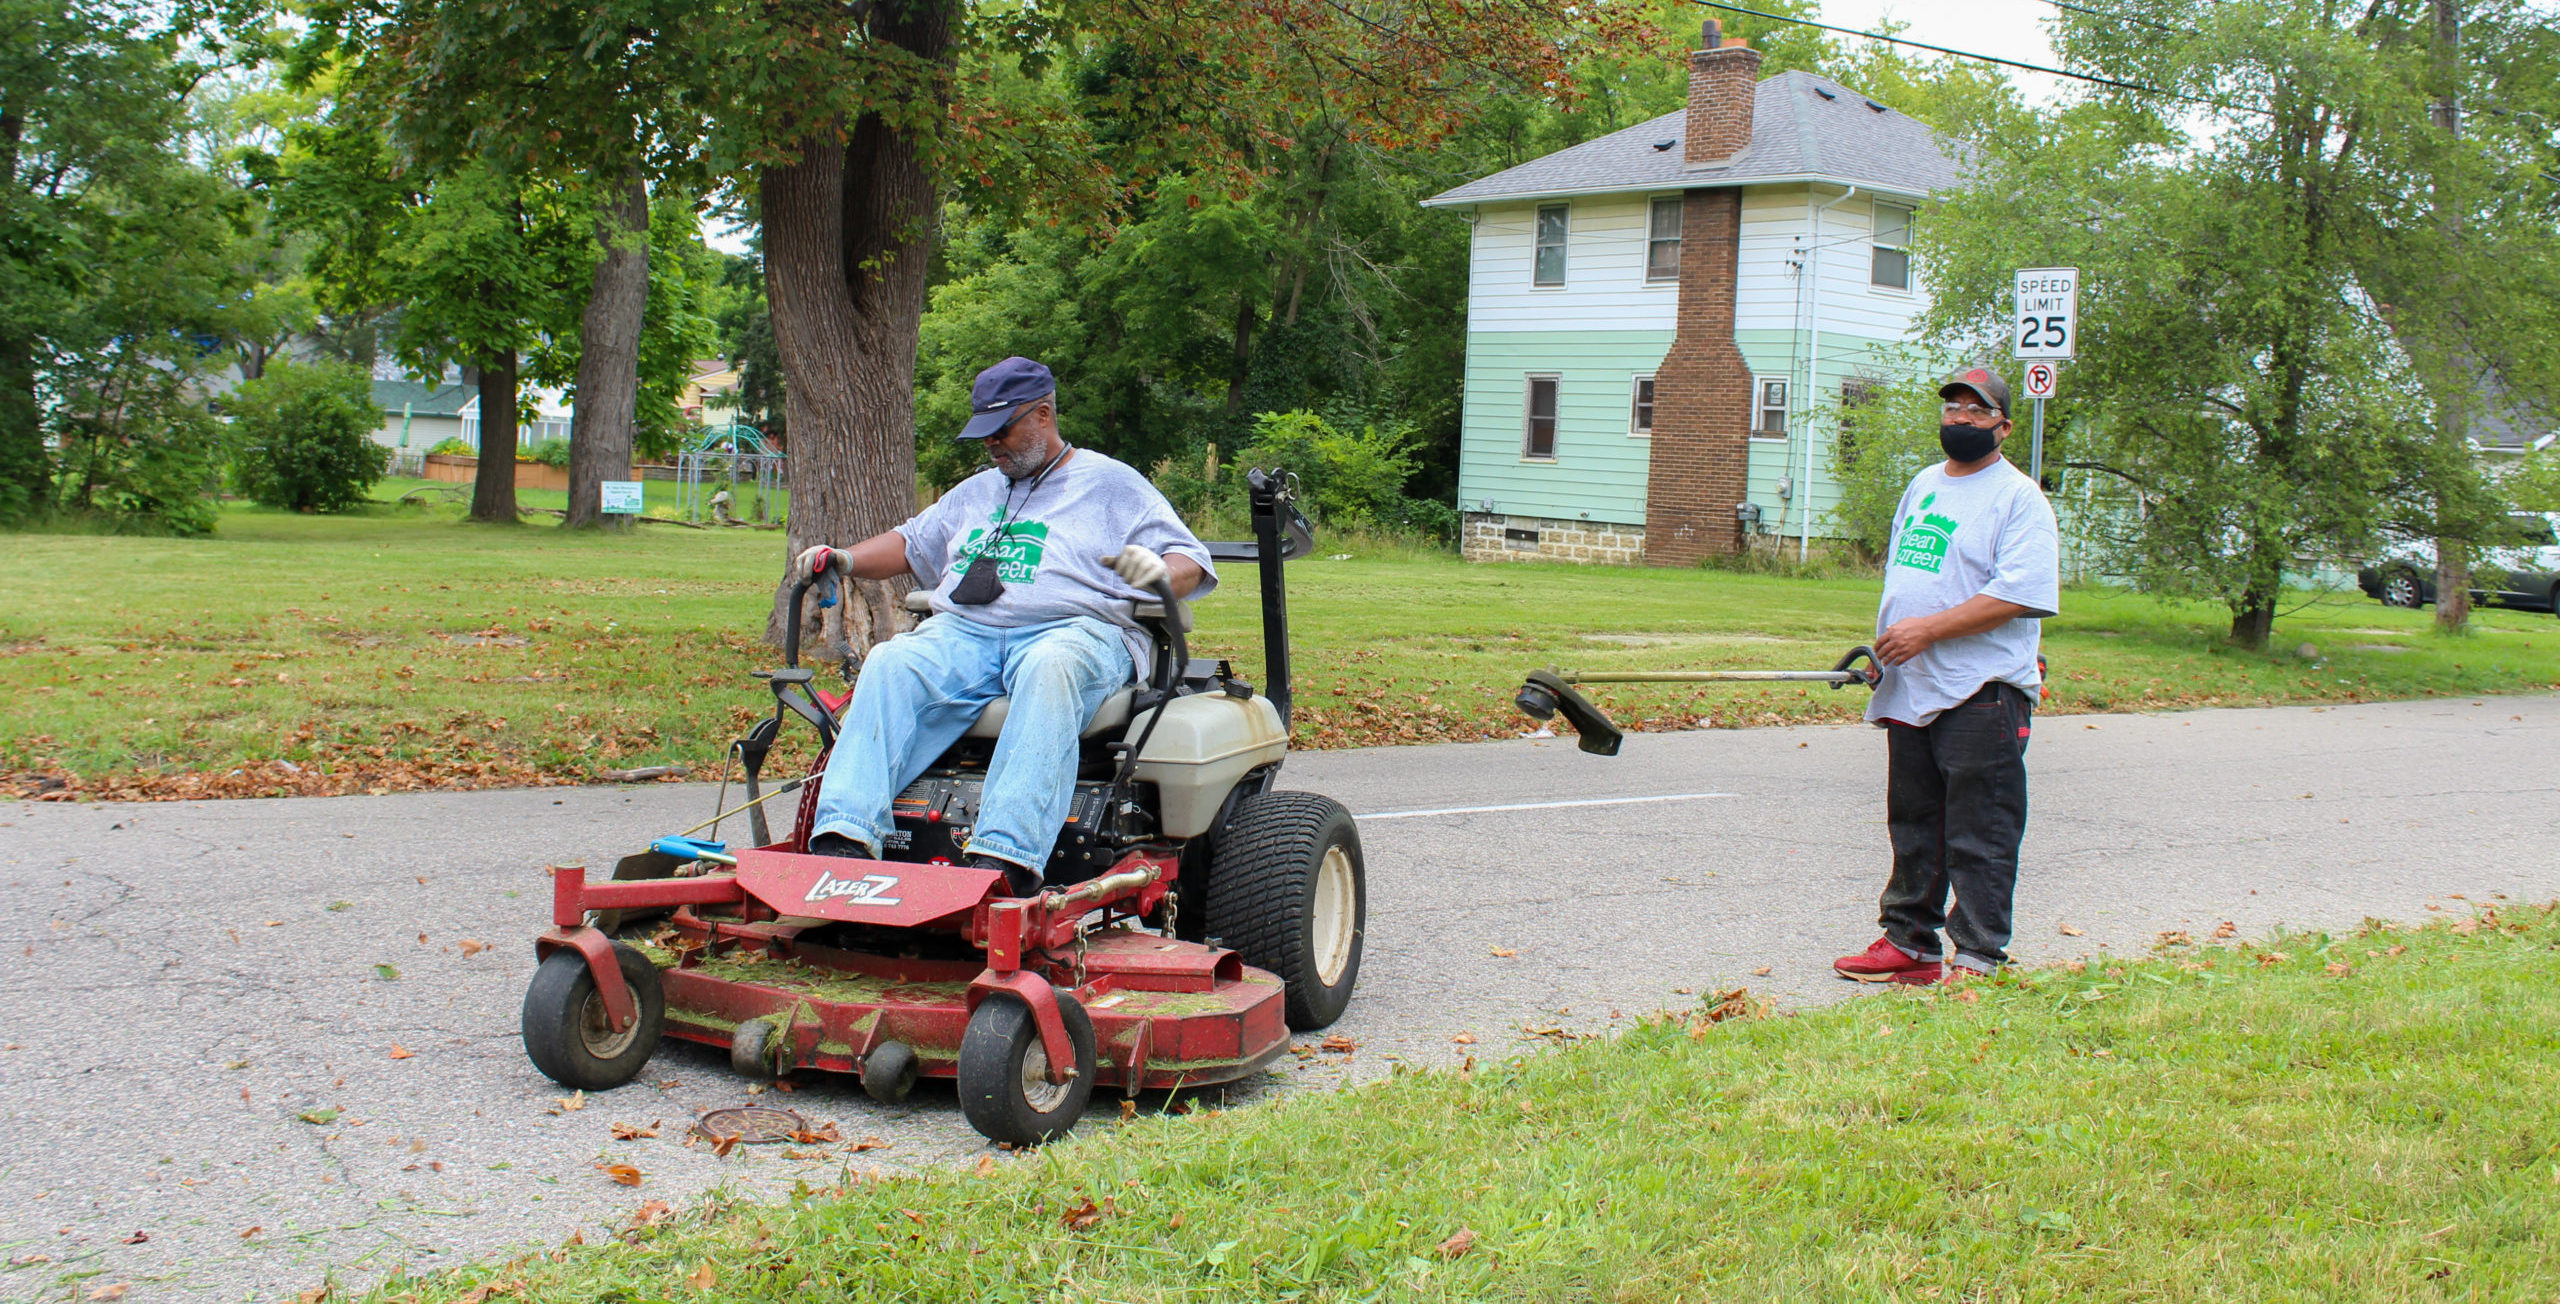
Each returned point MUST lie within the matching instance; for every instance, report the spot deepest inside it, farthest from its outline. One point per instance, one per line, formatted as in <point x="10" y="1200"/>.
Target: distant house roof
<point x="397" y="396"/>
<point x="709" y="367"/>
<point x="1797" y="134"/>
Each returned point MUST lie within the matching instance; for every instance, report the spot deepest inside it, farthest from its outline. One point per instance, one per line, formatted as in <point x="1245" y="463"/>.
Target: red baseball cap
<point x="1984" y="382"/>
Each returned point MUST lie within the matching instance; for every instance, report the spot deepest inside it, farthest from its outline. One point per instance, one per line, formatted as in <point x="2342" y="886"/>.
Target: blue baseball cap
<point x="1003" y="392"/>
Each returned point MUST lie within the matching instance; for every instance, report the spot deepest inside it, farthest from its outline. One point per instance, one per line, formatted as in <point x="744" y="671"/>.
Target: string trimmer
<point x="1551" y="690"/>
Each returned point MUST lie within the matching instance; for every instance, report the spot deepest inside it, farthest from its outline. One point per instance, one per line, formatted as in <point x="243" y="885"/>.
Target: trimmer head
<point x="1546" y="693"/>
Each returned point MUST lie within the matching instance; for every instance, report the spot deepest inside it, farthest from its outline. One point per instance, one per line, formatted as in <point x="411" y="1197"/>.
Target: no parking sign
<point x="2040" y="377"/>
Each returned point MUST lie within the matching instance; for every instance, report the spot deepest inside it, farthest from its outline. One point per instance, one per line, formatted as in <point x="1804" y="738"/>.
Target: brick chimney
<point x="1723" y="76"/>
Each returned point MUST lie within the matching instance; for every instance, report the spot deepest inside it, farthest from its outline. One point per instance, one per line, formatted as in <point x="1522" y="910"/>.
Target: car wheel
<point x="2400" y="588"/>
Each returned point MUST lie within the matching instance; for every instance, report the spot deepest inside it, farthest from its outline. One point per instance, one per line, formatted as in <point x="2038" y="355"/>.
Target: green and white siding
<point x="1600" y="331"/>
<point x="1607" y="326"/>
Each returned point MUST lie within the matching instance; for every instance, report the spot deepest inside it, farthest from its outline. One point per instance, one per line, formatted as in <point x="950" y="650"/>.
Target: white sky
<point x="2010" y="29"/>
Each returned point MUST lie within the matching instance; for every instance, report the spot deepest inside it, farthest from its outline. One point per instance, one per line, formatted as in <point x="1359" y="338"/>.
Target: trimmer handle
<point x="1872" y="675"/>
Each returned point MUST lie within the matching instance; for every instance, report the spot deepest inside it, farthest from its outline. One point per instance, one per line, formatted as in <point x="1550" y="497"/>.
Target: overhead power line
<point x="1985" y="58"/>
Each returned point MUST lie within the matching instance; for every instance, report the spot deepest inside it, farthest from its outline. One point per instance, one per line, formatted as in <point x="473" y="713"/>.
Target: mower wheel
<point x="1004" y="1072"/>
<point x="889" y="1072"/>
<point x="1288" y="893"/>
<point x="755" y="1050"/>
<point x="566" y="1033"/>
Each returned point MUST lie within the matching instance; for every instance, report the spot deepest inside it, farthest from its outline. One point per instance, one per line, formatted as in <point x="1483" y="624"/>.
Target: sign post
<point x="2040" y="378"/>
<point x="2047" y="314"/>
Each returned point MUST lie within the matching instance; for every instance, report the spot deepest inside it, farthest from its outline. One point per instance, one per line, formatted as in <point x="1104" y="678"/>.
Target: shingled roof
<point x="1803" y="128"/>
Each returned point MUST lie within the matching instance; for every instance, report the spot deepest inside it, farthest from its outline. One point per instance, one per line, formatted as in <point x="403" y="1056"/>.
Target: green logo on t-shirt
<point x="1016" y="547"/>
<point x="1925" y="540"/>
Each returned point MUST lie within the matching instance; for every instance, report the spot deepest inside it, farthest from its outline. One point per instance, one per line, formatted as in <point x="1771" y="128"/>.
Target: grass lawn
<point x="406" y="648"/>
<point x="2310" y="1118"/>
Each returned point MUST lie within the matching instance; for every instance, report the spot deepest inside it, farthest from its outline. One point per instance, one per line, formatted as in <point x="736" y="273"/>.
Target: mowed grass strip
<point x="406" y="648"/>
<point x="2311" y="1117"/>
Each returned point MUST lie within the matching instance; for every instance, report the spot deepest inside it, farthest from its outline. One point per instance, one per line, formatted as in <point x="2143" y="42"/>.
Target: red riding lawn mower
<point x="1193" y="914"/>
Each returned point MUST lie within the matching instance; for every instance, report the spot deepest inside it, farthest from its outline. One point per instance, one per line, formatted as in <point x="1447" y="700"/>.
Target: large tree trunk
<point x="2253" y="618"/>
<point x="609" y="355"/>
<point x="493" y="486"/>
<point x="26" y="471"/>
<point x="847" y="233"/>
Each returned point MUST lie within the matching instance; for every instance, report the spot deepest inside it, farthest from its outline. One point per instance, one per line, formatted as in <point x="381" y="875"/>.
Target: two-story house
<point x="1663" y="323"/>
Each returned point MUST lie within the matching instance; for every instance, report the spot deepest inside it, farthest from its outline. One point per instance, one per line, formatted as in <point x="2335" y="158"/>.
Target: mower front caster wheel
<point x="1004" y="1072"/>
<point x="566" y="1033"/>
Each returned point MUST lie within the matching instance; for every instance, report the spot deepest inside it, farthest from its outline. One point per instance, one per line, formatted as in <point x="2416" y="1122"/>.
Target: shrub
<point x="452" y="446"/>
<point x="550" y="452"/>
<point x="1346" y="478"/>
<point x="302" y="437"/>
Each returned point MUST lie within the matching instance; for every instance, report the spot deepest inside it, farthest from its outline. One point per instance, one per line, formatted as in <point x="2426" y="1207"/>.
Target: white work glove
<point x="817" y="560"/>
<point x="1140" y="567"/>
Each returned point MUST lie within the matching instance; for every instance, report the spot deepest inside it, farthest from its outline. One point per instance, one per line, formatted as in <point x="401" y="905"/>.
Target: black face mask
<point x="1968" y="443"/>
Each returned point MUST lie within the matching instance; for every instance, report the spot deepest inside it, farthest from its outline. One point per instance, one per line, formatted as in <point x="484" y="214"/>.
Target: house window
<point x="1892" y="267"/>
<point x="1662" y="245"/>
<point x="1769" y="408"/>
<point x="1549" y="269"/>
<point x="1640" y="421"/>
<point x="1538" y="435"/>
<point x="1856" y="397"/>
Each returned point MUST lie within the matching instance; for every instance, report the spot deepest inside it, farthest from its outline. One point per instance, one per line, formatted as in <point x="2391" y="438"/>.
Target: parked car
<point x="2520" y="569"/>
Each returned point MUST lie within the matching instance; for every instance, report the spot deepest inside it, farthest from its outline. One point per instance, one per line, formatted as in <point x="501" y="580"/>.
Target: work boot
<point x="1019" y="880"/>
<point x="837" y="844"/>
<point x="1884" y="962"/>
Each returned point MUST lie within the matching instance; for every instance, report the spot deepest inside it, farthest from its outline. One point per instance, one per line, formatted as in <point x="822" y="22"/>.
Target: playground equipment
<point x="709" y="472"/>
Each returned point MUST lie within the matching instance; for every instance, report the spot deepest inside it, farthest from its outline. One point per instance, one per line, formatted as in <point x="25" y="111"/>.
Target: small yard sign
<point x="2048" y="312"/>
<point x="621" y="498"/>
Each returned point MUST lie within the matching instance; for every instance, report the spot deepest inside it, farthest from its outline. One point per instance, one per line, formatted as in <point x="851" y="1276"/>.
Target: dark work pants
<point x="1956" y="804"/>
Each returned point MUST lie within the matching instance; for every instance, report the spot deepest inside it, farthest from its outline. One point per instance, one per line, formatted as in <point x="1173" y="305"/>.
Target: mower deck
<point x="1165" y="1013"/>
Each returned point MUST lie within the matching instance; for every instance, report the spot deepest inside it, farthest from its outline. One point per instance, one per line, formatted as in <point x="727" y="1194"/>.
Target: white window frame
<point x="1529" y="414"/>
<point x="1760" y="405"/>
<point x="1879" y="247"/>
<point x="1653" y="236"/>
<point x="1643" y="406"/>
<point x="1563" y="246"/>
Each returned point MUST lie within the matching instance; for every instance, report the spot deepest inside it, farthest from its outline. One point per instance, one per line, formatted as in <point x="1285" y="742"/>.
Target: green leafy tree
<point x="2242" y="394"/>
<point x="302" y="437"/>
<point x="115" y="264"/>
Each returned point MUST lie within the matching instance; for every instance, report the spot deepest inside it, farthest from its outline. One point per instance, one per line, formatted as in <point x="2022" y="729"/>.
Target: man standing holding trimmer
<point x="1972" y="569"/>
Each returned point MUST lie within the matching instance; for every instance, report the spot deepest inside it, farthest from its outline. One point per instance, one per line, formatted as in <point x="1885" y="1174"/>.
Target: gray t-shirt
<point x="1955" y="537"/>
<point x="1051" y="551"/>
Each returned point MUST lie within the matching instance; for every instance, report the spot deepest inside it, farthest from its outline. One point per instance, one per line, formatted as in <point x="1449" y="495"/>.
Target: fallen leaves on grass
<point x="115" y="1291"/>
<point x="635" y="1132"/>
<point x="650" y="1214"/>
<point x="1459" y="1242"/>
<point x="2338" y="969"/>
<point x="2225" y="930"/>
<point x="1337" y="1044"/>
<point x="2173" y="937"/>
<point x="986" y="1165"/>
<point x="1087" y="1215"/>
<point x="703" y="1277"/>
<point x="2273" y="957"/>
<point x="1464" y="1039"/>
<point x="623" y="1173"/>
<point x="822" y="1134"/>
<point x="483" y="1294"/>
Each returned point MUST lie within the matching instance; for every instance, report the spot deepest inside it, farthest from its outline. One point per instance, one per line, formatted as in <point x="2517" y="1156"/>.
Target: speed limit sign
<point x="2047" y="313"/>
<point x="2040" y="380"/>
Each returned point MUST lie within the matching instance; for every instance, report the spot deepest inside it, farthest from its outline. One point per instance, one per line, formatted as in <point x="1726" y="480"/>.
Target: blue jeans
<point x="920" y="691"/>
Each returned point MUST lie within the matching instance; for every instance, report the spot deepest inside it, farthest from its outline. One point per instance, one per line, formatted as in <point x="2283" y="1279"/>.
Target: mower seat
<point x="1112" y="715"/>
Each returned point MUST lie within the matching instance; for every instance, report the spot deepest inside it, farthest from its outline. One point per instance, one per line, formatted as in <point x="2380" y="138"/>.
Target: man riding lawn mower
<point x="1016" y="865"/>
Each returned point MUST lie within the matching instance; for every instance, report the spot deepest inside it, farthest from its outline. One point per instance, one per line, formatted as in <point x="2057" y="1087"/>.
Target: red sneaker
<point x="1885" y="963"/>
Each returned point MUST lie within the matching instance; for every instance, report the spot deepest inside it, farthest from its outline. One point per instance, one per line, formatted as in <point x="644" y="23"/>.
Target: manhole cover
<point x="752" y="1125"/>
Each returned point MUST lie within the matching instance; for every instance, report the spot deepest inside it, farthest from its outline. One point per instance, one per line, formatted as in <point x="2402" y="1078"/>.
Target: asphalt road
<point x="188" y="990"/>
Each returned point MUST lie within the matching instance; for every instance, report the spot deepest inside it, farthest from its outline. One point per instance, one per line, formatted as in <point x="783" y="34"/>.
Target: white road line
<point x="1542" y="805"/>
